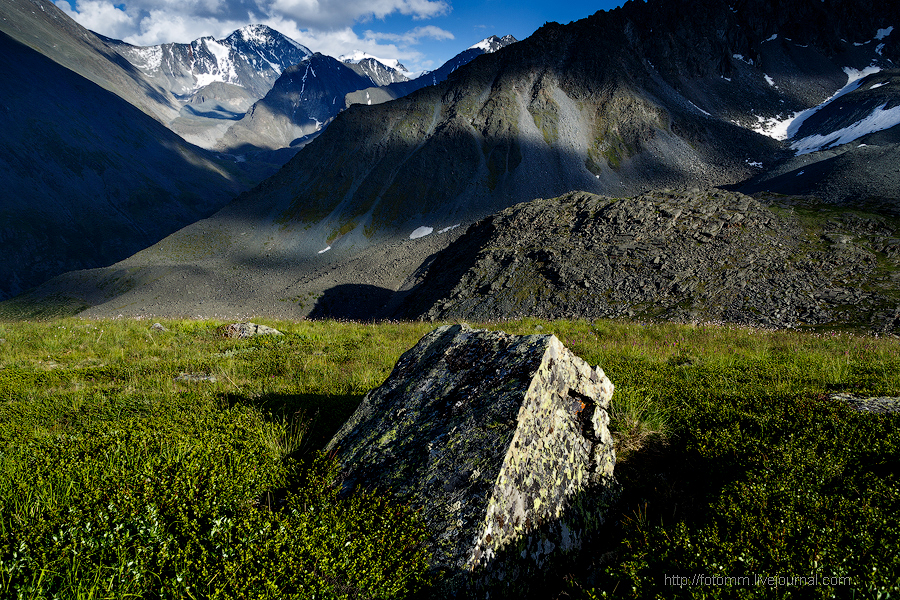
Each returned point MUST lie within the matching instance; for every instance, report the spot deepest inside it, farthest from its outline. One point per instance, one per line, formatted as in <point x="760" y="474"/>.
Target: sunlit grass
<point x="101" y="419"/>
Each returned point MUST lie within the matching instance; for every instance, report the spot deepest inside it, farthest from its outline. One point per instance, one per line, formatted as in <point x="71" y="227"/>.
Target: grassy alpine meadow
<point x="137" y="463"/>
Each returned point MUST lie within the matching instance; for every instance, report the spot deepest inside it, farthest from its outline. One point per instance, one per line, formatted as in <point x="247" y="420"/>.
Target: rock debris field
<point x="707" y="255"/>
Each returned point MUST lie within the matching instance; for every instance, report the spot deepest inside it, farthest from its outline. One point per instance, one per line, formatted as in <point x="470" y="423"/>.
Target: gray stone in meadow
<point x="158" y="327"/>
<point x="871" y="404"/>
<point x="245" y="330"/>
<point x="196" y="377"/>
<point x="501" y="442"/>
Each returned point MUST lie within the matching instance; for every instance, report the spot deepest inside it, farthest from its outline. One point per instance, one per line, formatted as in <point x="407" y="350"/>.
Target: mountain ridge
<point x="251" y="57"/>
<point x="68" y="202"/>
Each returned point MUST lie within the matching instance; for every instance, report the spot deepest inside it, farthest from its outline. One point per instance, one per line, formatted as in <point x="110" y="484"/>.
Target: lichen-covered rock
<point x="871" y="404"/>
<point x="245" y="330"/>
<point x="501" y="441"/>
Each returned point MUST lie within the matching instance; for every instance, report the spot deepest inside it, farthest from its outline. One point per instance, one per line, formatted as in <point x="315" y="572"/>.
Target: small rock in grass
<point x="245" y="330"/>
<point x="196" y="377"/>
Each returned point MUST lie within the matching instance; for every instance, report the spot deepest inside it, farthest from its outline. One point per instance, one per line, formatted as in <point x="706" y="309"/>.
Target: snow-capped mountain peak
<point x="262" y="36"/>
<point x="358" y="56"/>
<point x="493" y="43"/>
<point x="382" y="71"/>
<point x="251" y="57"/>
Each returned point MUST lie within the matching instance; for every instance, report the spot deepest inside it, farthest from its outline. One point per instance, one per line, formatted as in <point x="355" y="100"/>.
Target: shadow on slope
<point x="322" y="415"/>
<point x="351" y="303"/>
<point x="52" y="33"/>
<point x="89" y="179"/>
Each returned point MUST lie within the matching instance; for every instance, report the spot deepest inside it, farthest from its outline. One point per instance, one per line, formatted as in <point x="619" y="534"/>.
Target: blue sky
<point x="422" y="34"/>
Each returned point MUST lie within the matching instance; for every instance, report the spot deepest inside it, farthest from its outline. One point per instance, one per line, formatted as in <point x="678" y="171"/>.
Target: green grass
<point x="119" y="479"/>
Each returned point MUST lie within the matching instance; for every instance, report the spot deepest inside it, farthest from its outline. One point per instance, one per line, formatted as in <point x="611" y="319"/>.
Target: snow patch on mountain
<point x="493" y="43"/>
<point x="149" y="58"/>
<point x="700" y="109"/>
<point x="785" y="127"/>
<point x="359" y="55"/>
<point x="420" y="232"/>
<point x="251" y="57"/>
<point x="774" y="127"/>
<point x="880" y="119"/>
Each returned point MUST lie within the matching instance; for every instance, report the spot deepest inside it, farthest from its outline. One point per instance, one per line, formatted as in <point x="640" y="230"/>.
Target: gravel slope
<point x="686" y="256"/>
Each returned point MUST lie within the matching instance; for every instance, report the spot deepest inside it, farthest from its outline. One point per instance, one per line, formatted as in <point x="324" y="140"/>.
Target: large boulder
<point x="500" y="441"/>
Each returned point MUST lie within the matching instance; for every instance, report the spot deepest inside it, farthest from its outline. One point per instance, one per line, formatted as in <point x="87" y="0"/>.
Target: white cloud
<point x="335" y="14"/>
<point x="413" y="36"/>
<point x="101" y="17"/>
<point x="346" y="41"/>
<point x="160" y="27"/>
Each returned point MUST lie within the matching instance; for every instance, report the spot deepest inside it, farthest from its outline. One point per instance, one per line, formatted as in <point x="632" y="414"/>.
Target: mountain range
<point x="756" y="96"/>
<point x="98" y="154"/>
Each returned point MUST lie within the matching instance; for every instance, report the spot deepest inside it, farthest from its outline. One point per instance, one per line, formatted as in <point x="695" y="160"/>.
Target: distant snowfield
<point x="880" y="119"/>
<point x="785" y="128"/>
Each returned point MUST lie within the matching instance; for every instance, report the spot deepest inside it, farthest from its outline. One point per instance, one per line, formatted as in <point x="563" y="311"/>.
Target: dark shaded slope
<point x="304" y="99"/>
<point x="88" y="179"/>
<point x="40" y="25"/>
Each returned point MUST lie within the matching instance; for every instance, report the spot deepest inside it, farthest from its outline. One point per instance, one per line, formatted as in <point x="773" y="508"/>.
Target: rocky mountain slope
<point x="636" y="98"/>
<point x="703" y="256"/>
<point x="303" y="101"/>
<point x="649" y="96"/>
<point x="307" y="96"/>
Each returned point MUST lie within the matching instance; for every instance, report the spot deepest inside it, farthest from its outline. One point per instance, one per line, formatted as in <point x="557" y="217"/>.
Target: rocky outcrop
<point x="706" y="255"/>
<point x="501" y="441"/>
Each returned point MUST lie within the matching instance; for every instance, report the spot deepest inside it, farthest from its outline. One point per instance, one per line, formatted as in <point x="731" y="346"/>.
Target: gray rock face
<point x="245" y="330"/>
<point x="497" y="440"/>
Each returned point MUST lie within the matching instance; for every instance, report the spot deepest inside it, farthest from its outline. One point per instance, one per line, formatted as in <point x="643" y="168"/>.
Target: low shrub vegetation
<point x="181" y="464"/>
